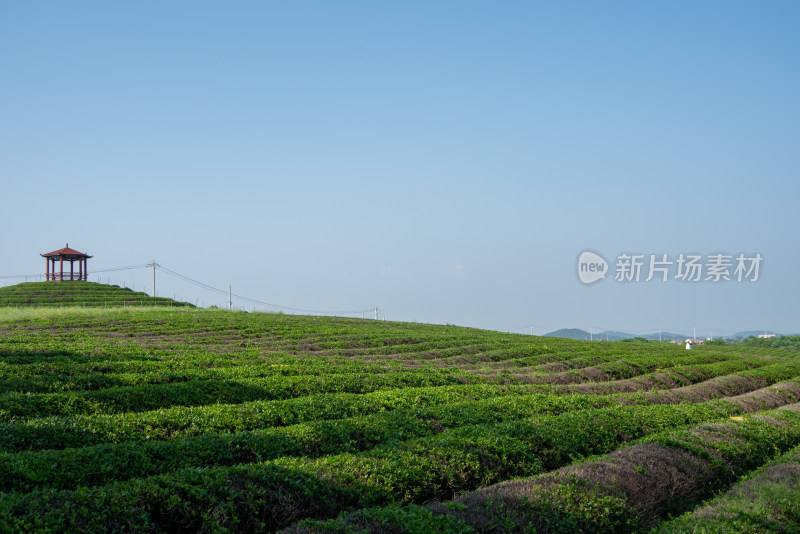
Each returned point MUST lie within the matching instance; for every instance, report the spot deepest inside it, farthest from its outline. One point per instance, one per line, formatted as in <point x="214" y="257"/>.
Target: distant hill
<point x="73" y="293"/>
<point x="569" y="333"/>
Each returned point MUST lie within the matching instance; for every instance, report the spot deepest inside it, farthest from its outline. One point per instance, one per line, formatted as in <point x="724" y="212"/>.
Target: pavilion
<point x="70" y="255"/>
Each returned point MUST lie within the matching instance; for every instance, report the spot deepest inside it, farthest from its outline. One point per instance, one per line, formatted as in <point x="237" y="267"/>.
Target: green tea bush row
<point x="66" y="468"/>
<point x="49" y="378"/>
<point x="234" y="499"/>
<point x="140" y="367"/>
<point x="438" y="466"/>
<point x="732" y="447"/>
<point x="125" y="361"/>
<point x="579" y="498"/>
<point x="52" y="377"/>
<point x="741" y="382"/>
<point x="20" y="406"/>
<point x="81" y="431"/>
<point x="448" y="463"/>
<point x="658" y="360"/>
<point x="767" y="500"/>
<point x="616" y="365"/>
<point x="683" y="375"/>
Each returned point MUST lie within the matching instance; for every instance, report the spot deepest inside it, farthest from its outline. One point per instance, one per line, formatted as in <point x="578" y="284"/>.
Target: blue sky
<point x="444" y="161"/>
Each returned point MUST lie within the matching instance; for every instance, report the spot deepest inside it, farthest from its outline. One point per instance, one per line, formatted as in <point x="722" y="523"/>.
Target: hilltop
<point x="85" y="294"/>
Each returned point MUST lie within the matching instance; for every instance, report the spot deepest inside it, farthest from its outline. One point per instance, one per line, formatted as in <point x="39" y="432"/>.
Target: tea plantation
<point x="146" y="419"/>
<point x="75" y="293"/>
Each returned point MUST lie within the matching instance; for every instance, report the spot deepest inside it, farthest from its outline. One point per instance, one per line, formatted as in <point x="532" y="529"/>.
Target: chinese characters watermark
<point x="683" y="267"/>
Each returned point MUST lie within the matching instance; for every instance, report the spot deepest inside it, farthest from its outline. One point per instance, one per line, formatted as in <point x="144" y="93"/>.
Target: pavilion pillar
<point x="61" y="268"/>
<point x="47" y="276"/>
<point x="80" y="270"/>
<point x="85" y="269"/>
<point x="71" y="270"/>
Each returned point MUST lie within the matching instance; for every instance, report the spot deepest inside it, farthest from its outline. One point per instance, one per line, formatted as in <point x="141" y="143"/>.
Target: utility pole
<point x="376" y="313"/>
<point x="230" y="302"/>
<point x="154" y="278"/>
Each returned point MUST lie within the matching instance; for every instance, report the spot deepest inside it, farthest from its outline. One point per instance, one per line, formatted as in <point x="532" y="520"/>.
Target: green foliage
<point x="767" y="500"/>
<point x="564" y="501"/>
<point x="138" y="419"/>
<point x="637" y="339"/>
<point x="122" y="399"/>
<point x="410" y="519"/>
<point x="791" y="342"/>
<point x="75" y="293"/>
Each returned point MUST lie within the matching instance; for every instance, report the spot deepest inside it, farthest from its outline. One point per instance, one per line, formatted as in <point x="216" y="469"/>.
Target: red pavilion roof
<point x="66" y="251"/>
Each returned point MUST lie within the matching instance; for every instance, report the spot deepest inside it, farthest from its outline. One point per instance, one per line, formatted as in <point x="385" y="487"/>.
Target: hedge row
<point x="612" y="494"/>
<point x="20" y="406"/>
<point x="67" y="468"/>
<point x="60" y="376"/>
<point x="682" y="375"/>
<point x="49" y="378"/>
<point x="275" y="494"/>
<point x="767" y="500"/>
<point x="81" y="431"/>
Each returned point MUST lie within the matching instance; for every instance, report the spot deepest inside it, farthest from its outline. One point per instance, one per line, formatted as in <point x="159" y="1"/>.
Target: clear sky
<point x="445" y="161"/>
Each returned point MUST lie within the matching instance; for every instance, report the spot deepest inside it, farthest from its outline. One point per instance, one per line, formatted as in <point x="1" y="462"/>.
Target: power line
<point x="187" y="279"/>
<point x="253" y="300"/>
<point x="120" y="268"/>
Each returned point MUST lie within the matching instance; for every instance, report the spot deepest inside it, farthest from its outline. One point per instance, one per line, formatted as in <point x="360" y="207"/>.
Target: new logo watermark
<point x="592" y="267"/>
<point x="682" y="267"/>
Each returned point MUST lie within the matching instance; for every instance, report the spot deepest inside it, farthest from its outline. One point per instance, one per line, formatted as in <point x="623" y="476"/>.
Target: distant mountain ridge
<point x="615" y="335"/>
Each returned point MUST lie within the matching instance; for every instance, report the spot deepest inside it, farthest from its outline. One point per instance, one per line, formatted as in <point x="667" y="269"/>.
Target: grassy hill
<point x="194" y="420"/>
<point x="84" y="294"/>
